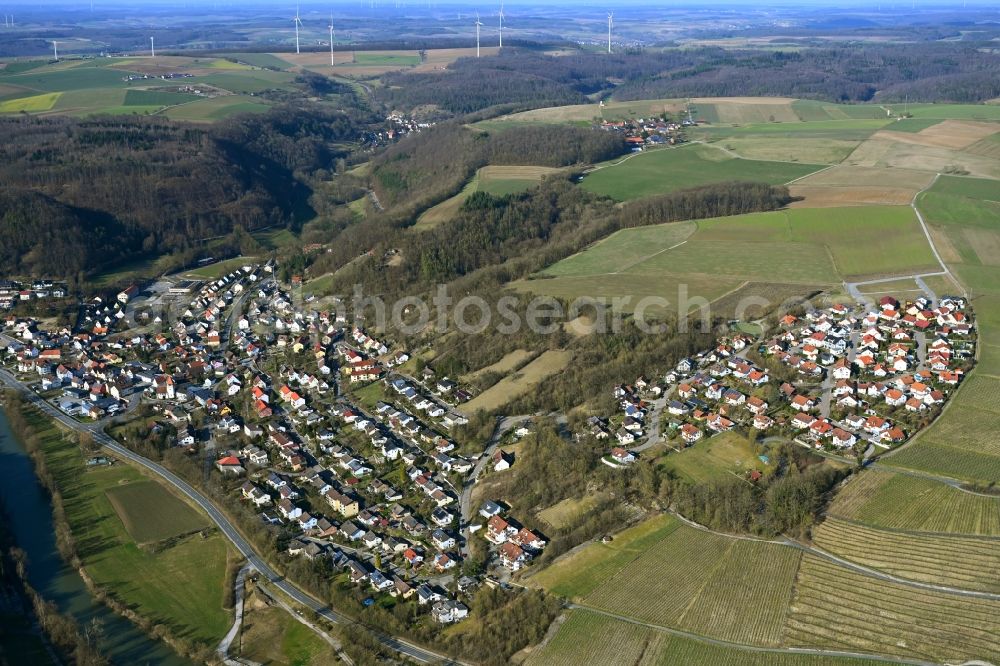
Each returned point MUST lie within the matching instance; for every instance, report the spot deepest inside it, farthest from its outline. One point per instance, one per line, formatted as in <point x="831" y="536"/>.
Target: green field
<point x="180" y="586"/>
<point x="738" y="590"/>
<point x="245" y="81"/>
<point x="265" y="60"/>
<point x="34" y="103"/>
<point x="905" y="502"/>
<point x="800" y="246"/>
<point x="664" y="170"/>
<point x="587" y="637"/>
<point x="836" y="608"/>
<point x="366" y="58"/>
<point x="579" y="574"/>
<point x="716" y="457"/>
<point x="968" y="563"/>
<point x="82" y="88"/>
<point x="949" y="111"/>
<point x="157" y="98"/>
<point x="790" y="148"/>
<point x="843" y="130"/>
<point x="707" y="584"/>
<point x="271" y="635"/>
<point x="496" y="180"/>
<point x="151" y="513"/>
<point x="216" y="108"/>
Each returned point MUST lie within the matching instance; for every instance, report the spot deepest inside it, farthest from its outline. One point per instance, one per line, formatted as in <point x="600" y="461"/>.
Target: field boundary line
<point x="914" y="533"/>
<point x="848" y="564"/>
<point x="795" y="180"/>
<point x="719" y="642"/>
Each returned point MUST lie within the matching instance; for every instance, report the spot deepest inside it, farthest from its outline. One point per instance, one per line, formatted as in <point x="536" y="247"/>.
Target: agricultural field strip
<point x="749" y="648"/>
<point x="933" y="558"/>
<point x="857" y="568"/>
<point x="839" y="607"/>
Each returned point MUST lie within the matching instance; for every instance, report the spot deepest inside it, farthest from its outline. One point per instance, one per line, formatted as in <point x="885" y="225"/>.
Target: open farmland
<point x="577" y="574"/>
<point x="520" y="382"/>
<point x="588" y="637"/>
<point x="906" y="502"/>
<point x="968" y="563"/>
<point x="151" y="513"/>
<point x="806" y="247"/>
<point x="664" y="170"/>
<point x="834" y="608"/>
<point x="650" y="577"/>
<point x="510" y="362"/>
<point x="34" y="103"/>
<point x="789" y="149"/>
<point x="87" y="87"/>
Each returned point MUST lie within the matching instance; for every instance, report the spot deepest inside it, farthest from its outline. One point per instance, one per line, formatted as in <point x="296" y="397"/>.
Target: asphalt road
<point x="244" y="547"/>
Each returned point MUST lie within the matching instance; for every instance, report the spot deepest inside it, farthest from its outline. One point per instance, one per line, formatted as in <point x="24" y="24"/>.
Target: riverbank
<point x="140" y="549"/>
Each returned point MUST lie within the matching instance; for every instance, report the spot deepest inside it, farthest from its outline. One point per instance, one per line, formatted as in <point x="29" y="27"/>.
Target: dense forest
<point x="429" y="166"/>
<point x="79" y="195"/>
<point x="934" y="72"/>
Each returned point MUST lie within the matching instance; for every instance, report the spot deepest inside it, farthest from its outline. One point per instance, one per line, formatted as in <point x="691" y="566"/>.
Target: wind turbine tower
<point x="610" y="19"/>
<point x="55" y="49"/>
<point x="478" y="24"/>
<point x="298" y="22"/>
<point x="331" y="39"/>
<point x="152" y="49"/>
<point x="501" y="25"/>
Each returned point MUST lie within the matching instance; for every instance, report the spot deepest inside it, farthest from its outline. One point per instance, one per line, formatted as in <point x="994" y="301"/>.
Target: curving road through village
<point x="245" y="548"/>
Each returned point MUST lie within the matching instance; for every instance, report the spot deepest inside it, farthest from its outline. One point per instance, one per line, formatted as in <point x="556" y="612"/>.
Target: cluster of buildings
<point x="832" y="378"/>
<point x="639" y="132"/>
<point x="13" y="292"/>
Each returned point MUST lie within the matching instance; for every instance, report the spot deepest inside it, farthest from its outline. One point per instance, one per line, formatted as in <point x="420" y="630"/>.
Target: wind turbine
<point x="55" y="49"/>
<point x="297" y="22"/>
<point x="610" y="19"/>
<point x="152" y="49"/>
<point x="331" y="38"/>
<point x="478" y="24"/>
<point x="501" y="24"/>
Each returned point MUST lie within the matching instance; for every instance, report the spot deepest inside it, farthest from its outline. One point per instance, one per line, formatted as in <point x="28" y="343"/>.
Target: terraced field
<point x="727" y="595"/>
<point x="901" y="501"/>
<point x="587" y="637"/>
<point x="838" y="609"/>
<point x="963" y="562"/>
<point x="578" y="574"/>
<point x="596" y="639"/>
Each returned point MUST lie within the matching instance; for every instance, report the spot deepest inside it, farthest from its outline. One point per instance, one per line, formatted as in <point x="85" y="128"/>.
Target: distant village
<point x="640" y="132"/>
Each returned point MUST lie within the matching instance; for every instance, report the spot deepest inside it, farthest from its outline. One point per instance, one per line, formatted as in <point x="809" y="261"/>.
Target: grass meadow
<point x="151" y="513"/>
<point x="180" y="586"/>
<point x="660" y="171"/>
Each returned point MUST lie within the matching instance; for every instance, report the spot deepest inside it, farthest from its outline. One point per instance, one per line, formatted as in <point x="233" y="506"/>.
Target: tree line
<point x="937" y="71"/>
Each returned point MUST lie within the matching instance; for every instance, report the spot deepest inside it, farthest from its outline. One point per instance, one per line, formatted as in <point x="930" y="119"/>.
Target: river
<point x="31" y="523"/>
